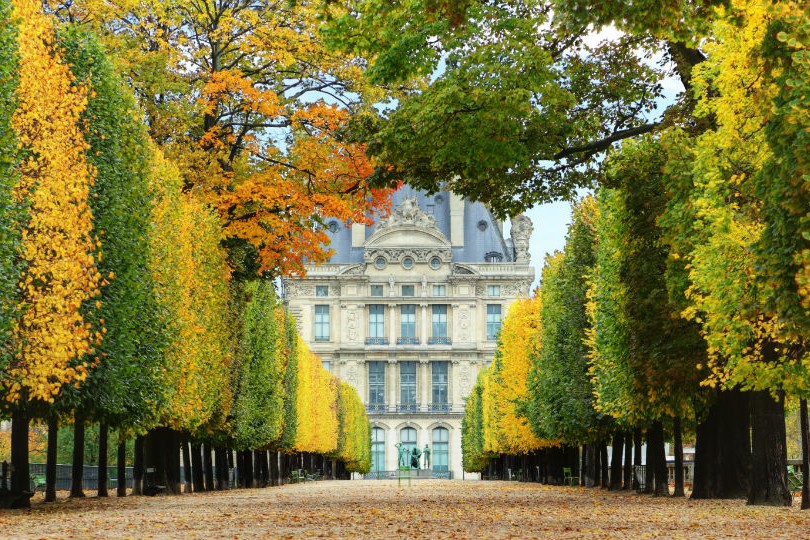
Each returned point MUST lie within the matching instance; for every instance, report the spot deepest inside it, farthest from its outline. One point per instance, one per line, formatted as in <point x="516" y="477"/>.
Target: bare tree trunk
<point x="138" y="466"/>
<point x="103" y="433"/>
<point x="803" y="424"/>
<point x="187" y="466"/>
<point x="121" y="468"/>
<point x="769" y="452"/>
<point x="50" y="464"/>
<point x="628" y="461"/>
<point x="678" y="451"/>
<point x="209" y="467"/>
<point x="197" y="475"/>
<point x="20" y="475"/>
<point x="616" y="461"/>
<point x="77" y="469"/>
<point x="636" y="456"/>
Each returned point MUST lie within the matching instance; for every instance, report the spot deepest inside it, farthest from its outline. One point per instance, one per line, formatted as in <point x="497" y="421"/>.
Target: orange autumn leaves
<point x="57" y="244"/>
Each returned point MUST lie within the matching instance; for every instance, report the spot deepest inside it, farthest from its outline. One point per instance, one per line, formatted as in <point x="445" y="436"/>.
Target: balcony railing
<point x="407" y="341"/>
<point x="376" y="341"/>
<point x="408" y="408"/>
<point x="440" y="340"/>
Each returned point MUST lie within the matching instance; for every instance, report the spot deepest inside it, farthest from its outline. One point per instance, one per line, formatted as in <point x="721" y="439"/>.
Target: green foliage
<point x="259" y="396"/>
<point x="290" y="384"/>
<point x="473" y="457"/>
<point x="354" y="431"/>
<point x="562" y="405"/>
<point x="9" y="210"/>
<point x="123" y="388"/>
<point x="518" y="101"/>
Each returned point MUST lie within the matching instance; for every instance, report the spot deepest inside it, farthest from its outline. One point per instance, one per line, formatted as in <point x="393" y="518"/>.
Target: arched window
<point x="377" y="449"/>
<point x="407" y="436"/>
<point x="441" y="453"/>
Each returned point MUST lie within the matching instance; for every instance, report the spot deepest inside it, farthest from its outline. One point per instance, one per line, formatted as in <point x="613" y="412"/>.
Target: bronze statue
<point x="415" y="455"/>
<point x="426" y="453"/>
<point x="403" y="454"/>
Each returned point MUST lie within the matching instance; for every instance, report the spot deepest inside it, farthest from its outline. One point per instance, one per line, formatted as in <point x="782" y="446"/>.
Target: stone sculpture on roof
<point x="521" y="233"/>
<point x="408" y="213"/>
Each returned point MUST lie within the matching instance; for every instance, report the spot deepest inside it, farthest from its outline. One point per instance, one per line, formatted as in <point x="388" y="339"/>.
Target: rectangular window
<point x="327" y="365"/>
<point x="321" y="323"/>
<point x="439" y="290"/>
<point x="407" y="290"/>
<point x="376" y="321"/>
<point x="493" y="290"/>
<point x="376" y="290"/>
<point x="493" y="321"/>
<point x="407" y="321"/>
<point x="407" y="386"/>
<point x="321" y="290"/>
<point x="376" y="386"/>
<point x="439" y="321"/>
<point x="439" y="386"/>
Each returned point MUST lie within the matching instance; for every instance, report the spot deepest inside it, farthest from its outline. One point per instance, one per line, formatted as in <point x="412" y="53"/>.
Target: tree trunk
<point x="769" y="451"/>
<point x="77" y="470"/>
<point x="138" y="465"/>
<point x="803" y="425"/>
<point x="197" y="474"/>
<point x="604" y="466"/>
<point x="274" y="469"/>
<point x="678" y="451"/>
<point x="636" y="456"/>
<point x="723" y="449"/>
<point x="616" y="461"/>
<point x="657" y="459"/>
<point x="649" y="469"/>
<point x="208" y="465"/>
<point x="173" y="439"/>
<point x="590" y="468"/>
<point x="50" y="463"/>
<point x="20" y="475"/>
<point x="187" y="466"/>
<point x="103" y="434"/>
<point x="121" y="468"/>
<point x="628" y="461"/>
<point x="221" y="464"/>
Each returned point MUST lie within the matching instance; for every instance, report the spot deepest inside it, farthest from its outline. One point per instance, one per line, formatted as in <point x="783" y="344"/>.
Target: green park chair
<point x="568" y="478"/>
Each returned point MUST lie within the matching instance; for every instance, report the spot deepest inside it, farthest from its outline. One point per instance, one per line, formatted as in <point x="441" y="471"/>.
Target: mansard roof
<point x="419" y="219"/>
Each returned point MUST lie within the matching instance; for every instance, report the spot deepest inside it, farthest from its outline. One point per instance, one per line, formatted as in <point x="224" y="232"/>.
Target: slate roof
<point x="482" y="232"/>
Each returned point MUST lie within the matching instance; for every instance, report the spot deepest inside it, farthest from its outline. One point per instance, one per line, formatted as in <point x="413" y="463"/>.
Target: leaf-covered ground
<point x="426" y="509"/>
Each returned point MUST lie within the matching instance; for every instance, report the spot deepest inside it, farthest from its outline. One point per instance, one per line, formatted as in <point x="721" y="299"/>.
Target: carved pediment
<point x="408" y="227"/>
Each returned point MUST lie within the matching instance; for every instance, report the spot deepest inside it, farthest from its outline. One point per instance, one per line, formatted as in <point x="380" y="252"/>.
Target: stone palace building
<point x="408" y="311"/>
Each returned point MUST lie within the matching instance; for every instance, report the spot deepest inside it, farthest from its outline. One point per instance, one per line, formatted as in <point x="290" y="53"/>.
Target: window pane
<point x="376" y="321"/>
<point x="493" y="290"/>
<point x="376" y="290"/>
<point x="439" y="320"/>
<point x="407" y="290"/>
<point x="439" y="383"/>
<point x="407" y="385"/>
<point x="439" y="290"/>
<point x="377" y="449"/>
<point x="440" y="457"/>
<point x="321" y="323"/>
<point x="493" y="321"/>
<point x="376" y="383"/>
<point x="407" y="321"/>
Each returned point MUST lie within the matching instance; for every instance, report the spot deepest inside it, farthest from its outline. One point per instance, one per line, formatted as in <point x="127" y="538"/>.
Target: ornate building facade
<point x="408" y="311"/>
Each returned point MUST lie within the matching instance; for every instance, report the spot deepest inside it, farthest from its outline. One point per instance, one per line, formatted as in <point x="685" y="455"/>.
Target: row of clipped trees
<point x="118" y="301"/>
<point x="680" y="302"/>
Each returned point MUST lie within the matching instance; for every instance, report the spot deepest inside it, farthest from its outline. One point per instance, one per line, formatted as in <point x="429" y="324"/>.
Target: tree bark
<point x="121" y="468"/>
<point x="187" y="466"/>
<point x="138" y="465"/>
<point x="604" y="466"/>
<point x="103" y="433"/>
<point x="21" y="474"/>
<point x="628" y="461"/>
<point x="723" y="449"/>
<point x="769" y="452"/>
<point x="197" y="475"/>
<point x="649" y="470"/>
<point x="77" y="469"/>
<point x="590" y="467"/>
<point x="655" y="450"/>
<point x="616" y="461"/>
<point x="636" y="456"/>
<point x="221" y="464"/>
<point x="173" y="439"/>
<point x="208" y="465"/>
<point x="678" y="451"/>
<point x="803" y="425"/>
<point x="50" y="463"/>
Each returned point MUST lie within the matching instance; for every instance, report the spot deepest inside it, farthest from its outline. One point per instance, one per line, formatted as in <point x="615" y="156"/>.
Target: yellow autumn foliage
<point x="316" y="404"/>
<point x="505" y="387"/>
<point x="51" y="337"/>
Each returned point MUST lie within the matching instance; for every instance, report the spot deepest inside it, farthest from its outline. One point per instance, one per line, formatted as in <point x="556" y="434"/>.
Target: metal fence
<point x="89" y="480"/>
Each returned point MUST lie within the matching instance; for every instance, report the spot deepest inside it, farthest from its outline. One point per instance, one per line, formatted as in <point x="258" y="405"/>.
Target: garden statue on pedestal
<point x="426" y="454"/>
<point x="415" y="455"/>
<point x="403" y="454"/>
